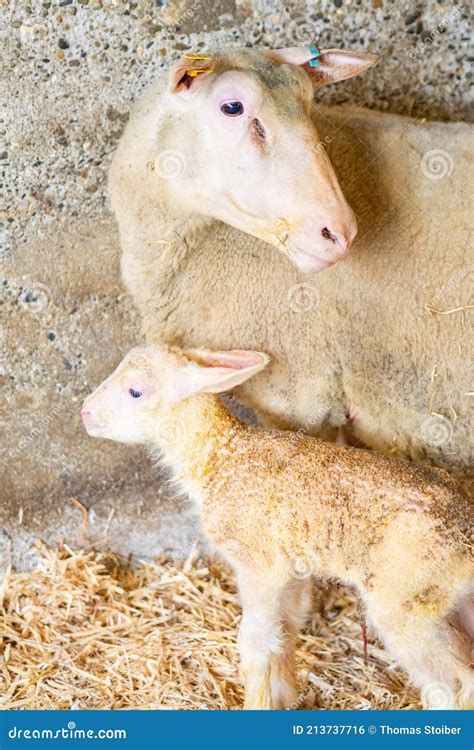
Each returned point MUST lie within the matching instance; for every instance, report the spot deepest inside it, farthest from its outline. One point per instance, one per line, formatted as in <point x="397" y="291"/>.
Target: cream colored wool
<point x="380" y="341"/>
<point x="281" y="506"/>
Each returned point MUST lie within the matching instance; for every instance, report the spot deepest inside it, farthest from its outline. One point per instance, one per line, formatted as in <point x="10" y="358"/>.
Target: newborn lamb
<point x="275" y="503"/>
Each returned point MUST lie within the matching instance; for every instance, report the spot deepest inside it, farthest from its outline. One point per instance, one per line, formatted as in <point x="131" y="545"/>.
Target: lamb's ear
<point x="217" y="372"/>
<point x="327" y="65"/>
<point x="188" y="72"/>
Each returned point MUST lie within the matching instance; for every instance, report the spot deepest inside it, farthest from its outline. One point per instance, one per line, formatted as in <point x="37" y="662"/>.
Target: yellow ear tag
<point x="193" y="73"/>
<point x="197" y="56"/>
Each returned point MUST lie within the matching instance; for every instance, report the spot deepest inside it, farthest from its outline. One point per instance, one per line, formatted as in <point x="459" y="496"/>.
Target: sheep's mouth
<point x="308" y="262"/>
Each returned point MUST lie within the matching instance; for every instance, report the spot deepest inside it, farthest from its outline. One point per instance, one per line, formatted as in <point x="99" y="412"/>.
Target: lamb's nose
<point x="342" y="240"/>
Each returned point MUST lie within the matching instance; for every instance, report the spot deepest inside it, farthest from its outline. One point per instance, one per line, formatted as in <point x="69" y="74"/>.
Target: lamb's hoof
<point x="285" y="696"/>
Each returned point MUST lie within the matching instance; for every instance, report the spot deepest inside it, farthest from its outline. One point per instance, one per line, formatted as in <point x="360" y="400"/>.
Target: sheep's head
<point x="241" y="123"/>
<point x="150" y="381"/>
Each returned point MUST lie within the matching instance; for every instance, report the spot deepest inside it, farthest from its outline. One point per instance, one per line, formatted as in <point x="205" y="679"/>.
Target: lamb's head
<point x="250" y="153"/>
<point x="132" y="403"/>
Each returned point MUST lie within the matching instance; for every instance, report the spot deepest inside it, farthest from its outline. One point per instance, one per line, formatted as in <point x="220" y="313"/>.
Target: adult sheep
<point x="228" y="155"/>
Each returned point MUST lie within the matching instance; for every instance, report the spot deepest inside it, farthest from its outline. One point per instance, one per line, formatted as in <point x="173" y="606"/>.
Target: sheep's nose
<point x="85" y="413"/>
<point x="341" y="239"/>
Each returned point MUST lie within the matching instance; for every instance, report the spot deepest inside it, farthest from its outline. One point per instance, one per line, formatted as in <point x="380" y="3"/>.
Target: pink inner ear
<point x="238" y="359"/>
<point x="184" y="73"/>
<point x="289" y="55"/>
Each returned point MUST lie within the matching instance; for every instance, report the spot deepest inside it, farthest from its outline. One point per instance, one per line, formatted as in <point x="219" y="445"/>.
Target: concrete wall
<point x="73" y="68"/>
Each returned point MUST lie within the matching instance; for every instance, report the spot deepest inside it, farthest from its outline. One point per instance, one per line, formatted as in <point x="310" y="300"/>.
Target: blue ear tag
<point x="314" y="62"/>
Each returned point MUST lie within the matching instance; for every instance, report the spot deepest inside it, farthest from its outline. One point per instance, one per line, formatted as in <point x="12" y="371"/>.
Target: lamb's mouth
<point x="93" y="428"/>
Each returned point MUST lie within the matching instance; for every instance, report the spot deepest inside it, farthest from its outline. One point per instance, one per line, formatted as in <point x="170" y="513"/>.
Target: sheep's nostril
<point x="328" y="235"/>
<point x="341" y="241"/>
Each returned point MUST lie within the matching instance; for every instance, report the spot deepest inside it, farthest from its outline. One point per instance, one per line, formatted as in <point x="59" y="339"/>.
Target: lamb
<point x="364" y="347"/>
<point x="274" y="501"/>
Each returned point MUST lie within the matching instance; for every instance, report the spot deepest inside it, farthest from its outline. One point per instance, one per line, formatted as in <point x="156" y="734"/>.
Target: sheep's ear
<point x="188" y="72"/>
<point x="339" y="64"/>
<point x="217" y="372"/>
<point x="327" y="65"/>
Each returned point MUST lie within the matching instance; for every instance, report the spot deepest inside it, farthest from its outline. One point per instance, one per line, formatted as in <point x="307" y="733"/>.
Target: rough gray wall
<point x="71" y="70"/>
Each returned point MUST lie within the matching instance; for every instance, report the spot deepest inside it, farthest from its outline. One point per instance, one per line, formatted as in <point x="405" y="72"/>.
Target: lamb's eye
<point x="133" y="393"/>
<point x="232" y="109"/>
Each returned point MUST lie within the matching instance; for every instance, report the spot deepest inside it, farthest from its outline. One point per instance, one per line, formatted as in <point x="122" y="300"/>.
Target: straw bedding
<point x="83" y="631"/>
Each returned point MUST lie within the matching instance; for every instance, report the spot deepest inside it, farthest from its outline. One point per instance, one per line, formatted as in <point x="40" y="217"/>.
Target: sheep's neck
<point x="191" y="437"/>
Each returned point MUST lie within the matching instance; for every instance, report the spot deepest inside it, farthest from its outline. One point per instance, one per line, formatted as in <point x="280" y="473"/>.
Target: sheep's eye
<point x="232" y="109"/>
<point x="133" y="393"/>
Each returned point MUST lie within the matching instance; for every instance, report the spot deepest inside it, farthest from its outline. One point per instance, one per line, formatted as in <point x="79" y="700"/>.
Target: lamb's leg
<point x="265" y="649"/>
<point x="423" y="643"/>
<point x="296" y="605"/>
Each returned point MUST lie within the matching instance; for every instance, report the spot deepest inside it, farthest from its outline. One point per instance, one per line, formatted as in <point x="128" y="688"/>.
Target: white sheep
<point x="273" y="502"/>
<point x="377" y="344"/>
